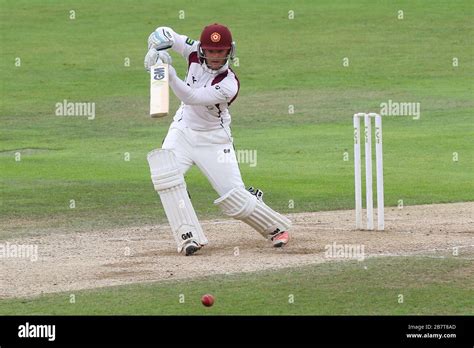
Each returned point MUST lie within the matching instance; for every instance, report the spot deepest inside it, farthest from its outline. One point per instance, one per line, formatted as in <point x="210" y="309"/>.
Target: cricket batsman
<point x="200" y="134"/>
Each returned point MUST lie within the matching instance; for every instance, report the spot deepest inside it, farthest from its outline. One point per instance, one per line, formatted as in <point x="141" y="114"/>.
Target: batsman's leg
<point x="250" y="208"/>
<point x="169" y="182"/>
<point x="219" y="164"/>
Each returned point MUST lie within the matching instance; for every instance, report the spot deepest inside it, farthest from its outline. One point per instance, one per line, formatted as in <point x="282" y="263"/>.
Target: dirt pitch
<point x="69" y="262"/>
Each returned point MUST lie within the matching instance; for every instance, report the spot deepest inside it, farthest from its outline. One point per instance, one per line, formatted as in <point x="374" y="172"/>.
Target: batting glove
<point x="161" y="39"/>
<point x="153" y="56"/>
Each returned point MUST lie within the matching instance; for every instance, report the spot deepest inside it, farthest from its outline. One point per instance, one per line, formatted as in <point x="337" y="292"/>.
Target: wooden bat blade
<point x="159" y="90"/>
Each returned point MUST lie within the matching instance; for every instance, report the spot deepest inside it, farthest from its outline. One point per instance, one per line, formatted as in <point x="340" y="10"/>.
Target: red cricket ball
<point x="207" y="300"/>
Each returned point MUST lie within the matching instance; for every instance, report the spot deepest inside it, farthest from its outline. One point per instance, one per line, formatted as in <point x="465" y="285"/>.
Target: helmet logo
<point x="215" y="37"/>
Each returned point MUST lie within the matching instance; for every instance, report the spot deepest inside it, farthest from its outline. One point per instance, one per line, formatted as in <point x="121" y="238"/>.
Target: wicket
<point x="368" y="170"/>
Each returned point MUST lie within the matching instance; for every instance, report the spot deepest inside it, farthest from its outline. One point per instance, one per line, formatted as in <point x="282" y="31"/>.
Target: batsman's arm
<point x="210" y="95"/>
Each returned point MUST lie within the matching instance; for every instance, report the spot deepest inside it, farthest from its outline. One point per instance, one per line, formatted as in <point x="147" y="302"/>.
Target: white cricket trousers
<point x="211" y="150"/>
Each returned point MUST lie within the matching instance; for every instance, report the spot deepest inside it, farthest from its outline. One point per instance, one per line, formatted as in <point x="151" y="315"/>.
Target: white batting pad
<point x="242" y="205"/>
<point x="170" y="185"/>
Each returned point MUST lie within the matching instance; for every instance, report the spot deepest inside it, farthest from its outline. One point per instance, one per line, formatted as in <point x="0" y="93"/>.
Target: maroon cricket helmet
<point x="216" y="37"/>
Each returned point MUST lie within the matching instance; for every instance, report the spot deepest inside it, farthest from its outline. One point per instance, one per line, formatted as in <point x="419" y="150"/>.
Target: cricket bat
<point x="159" y="90"/>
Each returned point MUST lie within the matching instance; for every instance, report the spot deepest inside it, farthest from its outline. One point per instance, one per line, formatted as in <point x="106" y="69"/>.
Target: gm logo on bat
<point x="159" y="73"/>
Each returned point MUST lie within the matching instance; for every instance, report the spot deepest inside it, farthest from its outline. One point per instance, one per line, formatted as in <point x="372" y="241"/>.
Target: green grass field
<point x="342" y="288"/>
<point x="301" y="156"/>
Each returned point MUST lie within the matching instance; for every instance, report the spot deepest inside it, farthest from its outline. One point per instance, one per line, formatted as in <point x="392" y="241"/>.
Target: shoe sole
<point x="191" y="250"/>
<point x="281" y="242"/>
<point x="279" y="245"/>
